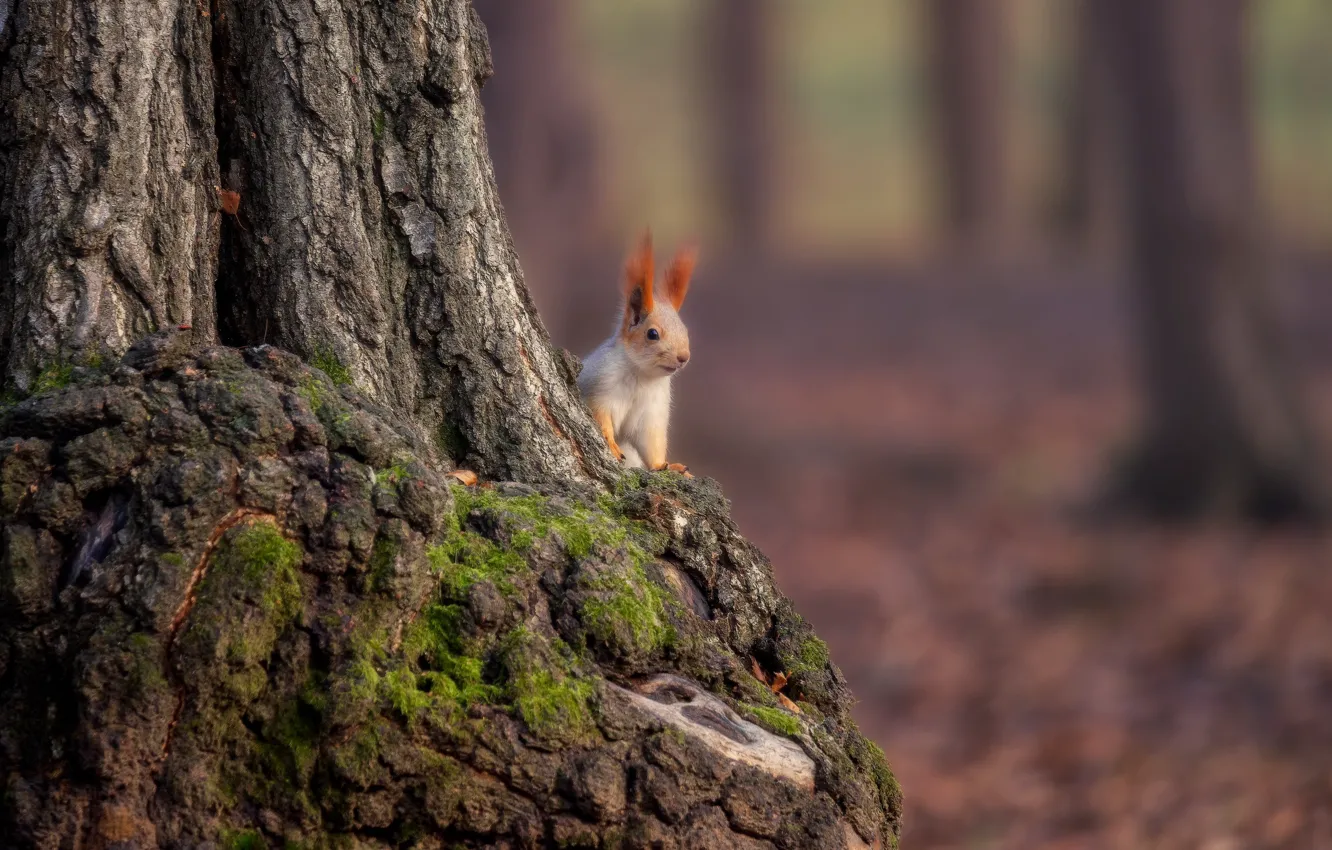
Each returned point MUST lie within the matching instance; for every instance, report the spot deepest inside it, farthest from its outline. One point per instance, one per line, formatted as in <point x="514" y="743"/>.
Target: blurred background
<point x="1011" y="351"/>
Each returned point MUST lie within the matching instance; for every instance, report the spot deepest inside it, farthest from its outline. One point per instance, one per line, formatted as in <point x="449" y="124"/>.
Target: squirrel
<point x="627" y="381"/>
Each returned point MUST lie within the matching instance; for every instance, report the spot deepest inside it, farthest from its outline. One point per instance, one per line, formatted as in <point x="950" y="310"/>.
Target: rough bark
<point x="544" y="144"/>
<point x="741" y="88"/>
<point x="238" y="610"/>
<point x="108" y="179"/>
<point x="970" y="69"/>
<point x="1224" y="427"/>
<point x="370" y="231"/>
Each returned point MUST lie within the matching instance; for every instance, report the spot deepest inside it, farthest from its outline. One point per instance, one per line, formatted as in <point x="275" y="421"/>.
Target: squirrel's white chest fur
<point x="639" y="407"/>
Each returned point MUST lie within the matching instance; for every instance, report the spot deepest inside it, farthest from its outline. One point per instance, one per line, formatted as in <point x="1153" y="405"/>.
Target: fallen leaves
<point x="775" y="683"/>
<point x="230" y="201"/>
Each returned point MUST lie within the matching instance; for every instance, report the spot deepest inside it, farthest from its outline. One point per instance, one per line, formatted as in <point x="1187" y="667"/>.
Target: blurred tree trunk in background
<point x="740" y="62"/>
<point x="1091" y="205"/>
<point x="970" y="58"/>
<point x="544" y="144"/>
<point x="1225" y="431"/>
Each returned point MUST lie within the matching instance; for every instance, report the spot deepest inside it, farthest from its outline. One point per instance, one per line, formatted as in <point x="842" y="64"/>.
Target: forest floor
<point x="912" y="453"/>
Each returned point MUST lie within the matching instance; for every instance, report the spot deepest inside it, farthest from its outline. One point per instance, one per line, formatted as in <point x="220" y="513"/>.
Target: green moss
<point x="267" y="561"/>
<point x="243" y="839"/>
<point x="466" y="559"/>
<point x="626" y="611"/>
<point x="395" y="473"/>
<point x="326" y="360"/>
<point x="407" y="699"/>
<point x="315" y="393"/>
<point x="580" y="528"/>
<point x="436" y="645"/>
<point x="549" y="697"/>
<point x="812" y="656"/>
<point x="377" y="125"/>
<point x="57" y="376"/>
<point x="433" y="677"/>
<point x="869" y="756"/>
<point x="382" y="556"/>
<point x="284" y="759"/>
<point x="173" y="559"/>
<point x="358" y="757"/>
<point x="773" y="719"/>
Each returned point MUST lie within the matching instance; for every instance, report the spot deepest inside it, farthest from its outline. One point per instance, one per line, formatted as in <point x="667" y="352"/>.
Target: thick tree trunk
<point x="970" y="59"/>
<point x="544" y="144"/>
<point x="1224" y="430"/>
<point x="368" y="236"/>
<point x="108" y="179"/>
<point x="739" y="57"/>
<point x="370" y="230"/>
<point x="241" y="604"/>
<point x="1091" y="206"/>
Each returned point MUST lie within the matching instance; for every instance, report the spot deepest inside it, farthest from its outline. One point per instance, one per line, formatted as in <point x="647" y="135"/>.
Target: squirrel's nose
<point x="683" y="358"/>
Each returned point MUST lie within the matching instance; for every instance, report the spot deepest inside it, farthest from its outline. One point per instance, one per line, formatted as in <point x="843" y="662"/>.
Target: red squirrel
<point x="627" y="380"/>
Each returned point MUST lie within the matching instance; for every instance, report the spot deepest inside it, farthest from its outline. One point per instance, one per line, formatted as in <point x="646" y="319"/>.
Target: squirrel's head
<point x="651" y="330"/>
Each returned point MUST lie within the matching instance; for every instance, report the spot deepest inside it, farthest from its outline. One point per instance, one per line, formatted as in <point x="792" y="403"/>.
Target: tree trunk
<point x="368" y="236"/>
<point x="1092" y="197"/>
<point x="544" y="145"/>
<point x="241" y="603"/>
<point x="1224" y="427"/>
<point x="971" y="63"/>
<point x="108" y="199"/>
<point x="739" y="56"/>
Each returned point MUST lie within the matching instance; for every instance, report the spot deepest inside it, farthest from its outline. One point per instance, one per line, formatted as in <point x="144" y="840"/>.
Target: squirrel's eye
<point x="653" y="334"/>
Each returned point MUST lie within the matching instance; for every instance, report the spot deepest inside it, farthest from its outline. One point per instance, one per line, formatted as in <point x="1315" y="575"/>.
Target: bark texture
<point x="238" y="610"/>
<point x="108" y="179"/>
<point x="1225" y="431"/>
<point x="370" y="233"/>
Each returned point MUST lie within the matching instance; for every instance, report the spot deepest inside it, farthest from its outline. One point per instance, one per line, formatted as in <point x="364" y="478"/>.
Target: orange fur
<point x="638" y="274"/>
<point x="608" y="431"/>
<point x="678" y="275"/>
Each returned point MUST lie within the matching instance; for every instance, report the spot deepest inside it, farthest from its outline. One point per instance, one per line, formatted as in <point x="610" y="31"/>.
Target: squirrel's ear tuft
<point x="678" y="275"/>
<point x="638" y="281"/>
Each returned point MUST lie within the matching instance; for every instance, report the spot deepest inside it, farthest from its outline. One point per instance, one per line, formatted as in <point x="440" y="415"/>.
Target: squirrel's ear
<point x="638" y="281"/>
<point x="678" y="275"/>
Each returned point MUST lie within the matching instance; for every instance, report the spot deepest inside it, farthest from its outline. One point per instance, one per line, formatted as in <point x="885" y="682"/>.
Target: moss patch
<point x="465" y="559"/>
<point x="57" y="376"/>
<point x="326" y="361"/>
<point x="266" y="560"/>
<point x="546" y="693"/>
<point x="625" y="611"/>
<point x="243" y="839"/>
<point x="580" y="529"/>
<point x="773" y="719"/>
